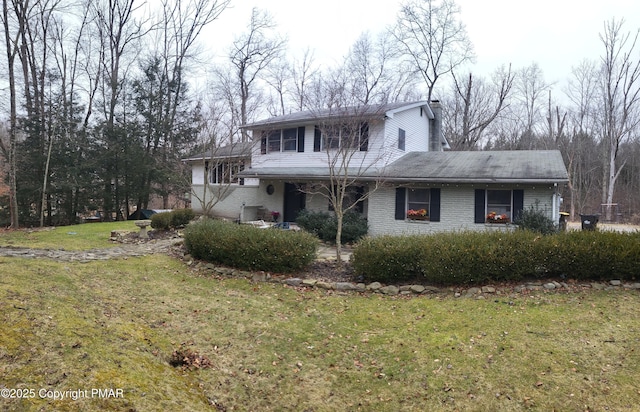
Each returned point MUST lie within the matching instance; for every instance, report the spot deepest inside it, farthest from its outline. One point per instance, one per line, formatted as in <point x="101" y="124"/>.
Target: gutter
<point x="406" y="179"/>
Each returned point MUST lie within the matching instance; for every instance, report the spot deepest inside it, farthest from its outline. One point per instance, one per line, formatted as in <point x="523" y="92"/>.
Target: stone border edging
<point x="476" y="292"/>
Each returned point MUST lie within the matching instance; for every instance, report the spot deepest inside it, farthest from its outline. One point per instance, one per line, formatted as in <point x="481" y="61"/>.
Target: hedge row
<point x="480" y="257"/>
<point x="325" y="225"/>
<point x="175" y="218"/>
<point x="250" y="248"/>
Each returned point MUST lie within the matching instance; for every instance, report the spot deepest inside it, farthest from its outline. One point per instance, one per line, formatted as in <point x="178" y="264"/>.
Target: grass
<point x="115" y="324"/>
<point x="77" y="237"/>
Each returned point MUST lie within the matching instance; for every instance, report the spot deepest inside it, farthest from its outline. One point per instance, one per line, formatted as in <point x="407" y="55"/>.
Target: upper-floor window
<point x="289" y="140"/>
<point x="401" y="139"/>
<point x="283" y="140"/>
<point x="273" y="141"/>
<point x="333" y="137"/>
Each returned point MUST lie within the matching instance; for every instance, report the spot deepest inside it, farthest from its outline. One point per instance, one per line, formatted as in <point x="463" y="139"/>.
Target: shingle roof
<point x="518" y="166"/>
<point x="233" y="150"/>
<point x="337" y="113"/>
<point x="484" y="166"/>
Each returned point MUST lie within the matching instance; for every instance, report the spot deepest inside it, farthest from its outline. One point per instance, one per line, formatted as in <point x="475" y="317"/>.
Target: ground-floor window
<point x="225" y="172"/>
<point x="498" y="205"/>
<point x="418" y="204"/>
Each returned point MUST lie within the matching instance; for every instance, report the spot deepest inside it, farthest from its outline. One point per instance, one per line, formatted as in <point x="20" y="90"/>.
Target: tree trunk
<point x="339" y="217"/>
<point x="45" y="180"/>
<point x="10" y="154"/>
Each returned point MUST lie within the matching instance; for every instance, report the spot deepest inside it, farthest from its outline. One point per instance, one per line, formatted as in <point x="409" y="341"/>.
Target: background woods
<point x="103" y="99"/>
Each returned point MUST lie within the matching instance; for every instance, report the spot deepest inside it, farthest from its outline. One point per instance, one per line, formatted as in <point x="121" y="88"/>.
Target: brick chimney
<point x="435" y="126"/>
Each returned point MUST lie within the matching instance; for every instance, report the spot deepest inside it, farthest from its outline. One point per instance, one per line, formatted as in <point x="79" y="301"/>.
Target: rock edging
<point x="474" y="292"/>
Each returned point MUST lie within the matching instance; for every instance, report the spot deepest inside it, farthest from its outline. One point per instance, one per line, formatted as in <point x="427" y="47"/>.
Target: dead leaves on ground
<point x="188" y="359"/>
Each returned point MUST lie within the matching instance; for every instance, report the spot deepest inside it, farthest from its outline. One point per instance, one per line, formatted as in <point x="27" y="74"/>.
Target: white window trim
<point x="233" y="178"/>
<point x="488" y="209"/>
<point x="282" y="145"/>
<point x="425" y="206"/>
<point x="324" y="137"/>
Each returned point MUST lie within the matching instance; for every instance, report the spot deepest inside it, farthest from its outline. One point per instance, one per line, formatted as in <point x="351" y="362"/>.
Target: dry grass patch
<point x="268" y="347"/>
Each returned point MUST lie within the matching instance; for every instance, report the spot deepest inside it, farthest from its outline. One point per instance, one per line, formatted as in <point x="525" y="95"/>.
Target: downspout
<point x="555" y="202"/>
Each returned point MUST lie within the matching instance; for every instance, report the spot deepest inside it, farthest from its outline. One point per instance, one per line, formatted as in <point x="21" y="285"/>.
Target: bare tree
<point x="302" y="74"/>
<point x="224" y="101"/>
<point x="9" y="148"/>
<point x="72" y="49"/>
<point x="476" y="105"/>
<point x="221" y="166"/>
<point x="530" y="87"/>
<point x="250" y="54"/>
<point x="120" y="33"/>
<point x="162" y="92"/>
<point x="355" y="159"/>
<point x="433" y="38"/>
<point x="583" y="127"/>
<point x="372" y="67"/>
<point x="39" y="34"/>
<point x="277" y="78"/>
<point x="522" y="122"/>
<point x="621" y="98"/>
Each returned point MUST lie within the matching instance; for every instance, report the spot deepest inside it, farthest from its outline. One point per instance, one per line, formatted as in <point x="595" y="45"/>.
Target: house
<point x="394" y="153"/>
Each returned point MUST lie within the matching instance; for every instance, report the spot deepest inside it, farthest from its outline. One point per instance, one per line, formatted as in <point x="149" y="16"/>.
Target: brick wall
<point x="456" y="210"/>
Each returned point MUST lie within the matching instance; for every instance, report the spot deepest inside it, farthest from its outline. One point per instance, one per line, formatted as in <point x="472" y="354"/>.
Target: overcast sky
<point x="557" y="34"/>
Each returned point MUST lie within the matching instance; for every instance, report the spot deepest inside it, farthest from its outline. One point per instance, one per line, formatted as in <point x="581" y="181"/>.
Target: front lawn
<point x="76" y="237"/>
<point x="116" y="324"/>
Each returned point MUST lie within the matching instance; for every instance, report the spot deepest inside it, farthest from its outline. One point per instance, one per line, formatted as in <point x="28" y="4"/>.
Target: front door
<point x="294" y="202"/>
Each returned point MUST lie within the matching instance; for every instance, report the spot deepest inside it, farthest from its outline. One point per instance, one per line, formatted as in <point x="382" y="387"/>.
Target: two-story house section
<point x="377" y="134"/>
<point x="395" y="153"/>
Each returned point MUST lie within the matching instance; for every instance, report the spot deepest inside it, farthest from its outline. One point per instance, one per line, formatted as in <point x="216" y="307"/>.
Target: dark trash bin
<point x="589" y="222"/>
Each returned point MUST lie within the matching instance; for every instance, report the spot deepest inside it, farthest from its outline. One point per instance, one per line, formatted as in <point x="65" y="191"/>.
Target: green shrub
<point x="389" y="258"/>
<point x="325" y="225"/>
<point x="590" y="255"/>
<point x="312" y="221"/>
<point x="173" y="219"/>
<point x="480" y="257"/>
<point x="250" y="248"/>
<point x="161" y="221"/>
<point x="536" y="220"/>
<point x="182" y="217"/>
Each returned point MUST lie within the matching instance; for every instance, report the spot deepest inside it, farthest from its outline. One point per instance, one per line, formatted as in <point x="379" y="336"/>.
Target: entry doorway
<point x="294" y="201"/>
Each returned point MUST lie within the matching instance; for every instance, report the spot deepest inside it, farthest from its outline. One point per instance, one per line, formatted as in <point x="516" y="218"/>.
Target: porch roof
<point x="239" y="149"/>
<point x="511" y="166"/>
<point x="518" y="166"/>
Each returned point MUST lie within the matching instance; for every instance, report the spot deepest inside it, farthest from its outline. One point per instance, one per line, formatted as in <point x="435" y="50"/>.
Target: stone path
<point x="125" y="250"/>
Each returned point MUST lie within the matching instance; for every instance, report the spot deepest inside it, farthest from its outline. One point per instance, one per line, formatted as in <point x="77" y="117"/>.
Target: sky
<point x="555" y="34"/>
